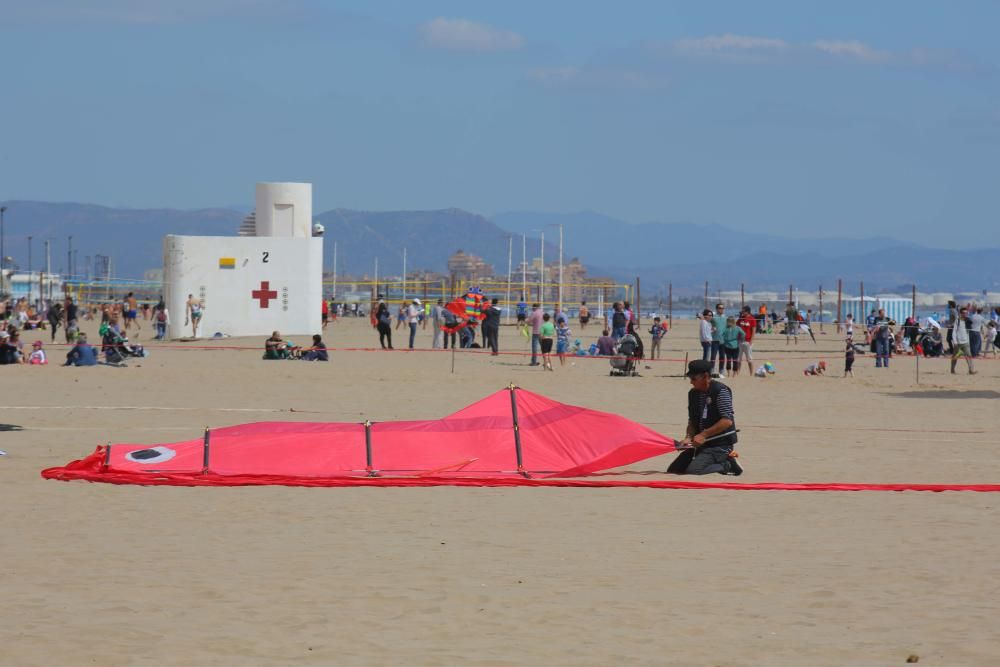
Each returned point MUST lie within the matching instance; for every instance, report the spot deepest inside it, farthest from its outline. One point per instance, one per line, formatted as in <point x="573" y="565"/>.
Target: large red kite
<point x="512" y="433"/>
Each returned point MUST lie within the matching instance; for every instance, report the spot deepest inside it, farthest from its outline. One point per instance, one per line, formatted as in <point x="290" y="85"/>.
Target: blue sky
<point x="799" y="118"/>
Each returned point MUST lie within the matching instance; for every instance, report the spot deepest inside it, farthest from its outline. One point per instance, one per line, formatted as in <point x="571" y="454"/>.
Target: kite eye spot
<point x="151" y="455"/>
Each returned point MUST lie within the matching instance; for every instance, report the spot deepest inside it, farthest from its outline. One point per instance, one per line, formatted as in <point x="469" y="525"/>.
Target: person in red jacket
<point x="748" y="323"/>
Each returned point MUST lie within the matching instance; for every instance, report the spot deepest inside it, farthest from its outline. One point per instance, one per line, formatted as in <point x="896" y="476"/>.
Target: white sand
<point x="108" y="575"/>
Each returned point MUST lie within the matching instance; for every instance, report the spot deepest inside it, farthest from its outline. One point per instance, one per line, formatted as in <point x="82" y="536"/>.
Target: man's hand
<point x="698" y="440"/>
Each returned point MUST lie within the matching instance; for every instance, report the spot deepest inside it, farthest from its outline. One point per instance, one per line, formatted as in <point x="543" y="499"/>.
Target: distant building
<point x="468" y="267"/>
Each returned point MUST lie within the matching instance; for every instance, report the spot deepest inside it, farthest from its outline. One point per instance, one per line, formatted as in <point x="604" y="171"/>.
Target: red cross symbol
<point x="264" y="294"/>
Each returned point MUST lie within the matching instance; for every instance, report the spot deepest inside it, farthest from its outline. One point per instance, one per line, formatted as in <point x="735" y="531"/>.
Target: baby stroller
<point x="117" y="349"/>
<point x="624" y="361"/>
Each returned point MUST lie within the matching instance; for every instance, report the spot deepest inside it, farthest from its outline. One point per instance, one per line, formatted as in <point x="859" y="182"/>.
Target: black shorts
<point x="546" y="345"/>
<point x="584" y="319"/>
<point x="521" y="317"/>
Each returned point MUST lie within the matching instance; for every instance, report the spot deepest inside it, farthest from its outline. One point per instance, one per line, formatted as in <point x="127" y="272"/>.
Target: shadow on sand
<point x="947" y="393"/>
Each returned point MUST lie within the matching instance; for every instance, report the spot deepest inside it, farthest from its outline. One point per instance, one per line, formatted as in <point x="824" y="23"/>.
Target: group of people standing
<point x="727" y="338"/>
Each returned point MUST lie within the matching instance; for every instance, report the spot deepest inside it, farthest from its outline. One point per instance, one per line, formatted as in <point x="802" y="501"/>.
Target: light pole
<point x="541" y="269"/>
<point x="524" y="267"/>
<point x="48" y="271"/>
<point x="69" y="257"/>
<point x="30" y="280"/>
<point x="510" y="257"/>
<point x="559" y="306"/>
<point x="3" y="209"/>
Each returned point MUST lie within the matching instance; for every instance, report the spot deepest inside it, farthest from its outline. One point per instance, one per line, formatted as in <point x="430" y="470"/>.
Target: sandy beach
<point x="99" y="574"/>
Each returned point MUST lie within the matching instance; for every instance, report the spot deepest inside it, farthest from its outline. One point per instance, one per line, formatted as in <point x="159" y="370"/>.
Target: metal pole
<point x="510" y="275"/>
<point x="517" y="431"/>
<point x="541" y="274"/>
<point x="913" y="306"/>
<point x="376" y="278"/>
<point x="205" y="452"/>
<point x="821" y="309"/>
<point x="743" y="300"/>
<point x="31" y="281"/>
<point x="404" y="274"/>
<point x="3" y="257"/>
<point x="334" y="296"/>
<point x="638" y="303"/>
<point x="840" y="299"/>
<point x="369" y="470"/>
<point x="863" y="312"/>
<point x="524" y="267"/>
<point x="69" y="256"/>
<point x="48" y="268"/>
<point x="560" y="268"/>
<point x="706" y="294"/>
<point x="670" y="304"/>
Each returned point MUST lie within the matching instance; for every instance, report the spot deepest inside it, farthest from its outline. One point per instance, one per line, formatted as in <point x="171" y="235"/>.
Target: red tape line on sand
<point x="210" y="479"/>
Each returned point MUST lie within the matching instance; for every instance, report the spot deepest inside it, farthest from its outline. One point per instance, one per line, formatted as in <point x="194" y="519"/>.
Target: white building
<point x="250" y="285"/>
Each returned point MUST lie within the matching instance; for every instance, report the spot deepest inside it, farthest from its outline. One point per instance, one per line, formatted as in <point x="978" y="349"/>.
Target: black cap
<point x="699" y="366"/>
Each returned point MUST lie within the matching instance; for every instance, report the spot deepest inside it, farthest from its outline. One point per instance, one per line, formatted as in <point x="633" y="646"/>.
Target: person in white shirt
<point x="961" y="325"/>
<point x="413" y="317"/>
<point x="705" y="334"/>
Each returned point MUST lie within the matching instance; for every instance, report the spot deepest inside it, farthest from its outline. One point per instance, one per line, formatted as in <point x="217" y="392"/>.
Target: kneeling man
<point x="711" y="430"/>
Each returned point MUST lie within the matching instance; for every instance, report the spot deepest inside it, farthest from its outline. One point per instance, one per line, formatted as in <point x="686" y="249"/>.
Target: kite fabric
<point x="512" y="433"/>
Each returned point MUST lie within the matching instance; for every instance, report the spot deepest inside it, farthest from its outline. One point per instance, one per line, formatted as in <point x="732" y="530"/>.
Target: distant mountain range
<point x="683" y="254"/>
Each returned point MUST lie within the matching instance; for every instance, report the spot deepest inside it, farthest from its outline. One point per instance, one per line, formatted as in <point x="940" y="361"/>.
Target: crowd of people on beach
<point x="726" y="339"/>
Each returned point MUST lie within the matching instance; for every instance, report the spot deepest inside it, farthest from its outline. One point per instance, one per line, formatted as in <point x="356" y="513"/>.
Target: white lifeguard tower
<point x="268" y="278"/>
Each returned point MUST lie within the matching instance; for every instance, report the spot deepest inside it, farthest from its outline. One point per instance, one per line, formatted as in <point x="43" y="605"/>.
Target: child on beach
<point x="656" y="333"/>
<point x="732" y="336"/>
<point x="37" y="356"/>
<point x="815" y="369"/>
<point x="767" y="368"/>
<point x="563" y="333"/>
<point x="546" y="333"/>
<point x="849" y="358"/>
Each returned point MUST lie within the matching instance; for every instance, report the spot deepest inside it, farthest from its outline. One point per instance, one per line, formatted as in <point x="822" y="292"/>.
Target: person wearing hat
<point x="711" y="431"/>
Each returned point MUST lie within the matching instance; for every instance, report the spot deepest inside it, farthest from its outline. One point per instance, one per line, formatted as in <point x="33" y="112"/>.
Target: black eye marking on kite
<point x="151" y="455"/>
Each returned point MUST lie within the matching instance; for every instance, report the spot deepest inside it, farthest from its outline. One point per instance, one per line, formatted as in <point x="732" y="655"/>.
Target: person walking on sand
<point x="437" y="319"/>
<point x="656" y="333"/>
<point x="584" y="315"/>
<point x="413" y="318"/>
<point x="961" y="325"/>
<point x="194" y="312"/>
<point x="535" y="321"/>
<point x="563" y="333"/>
<point x="546" y="334"/>
<point x="491" y="327"/>
<point x="383" y="323"/>
<point x="748" y="324"/>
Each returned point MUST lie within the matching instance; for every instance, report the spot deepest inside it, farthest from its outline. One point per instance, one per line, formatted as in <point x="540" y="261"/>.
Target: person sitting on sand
<point x="815" y="369"/>
<point x="606" y="344"/>
<point x="275" y="347"/>
<point x="8" y="351"/>
<point x="81" y="354"/>
<point x="708" y="446"/>
<point x="37" y="356"/>
<point x="317" y="352"/>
